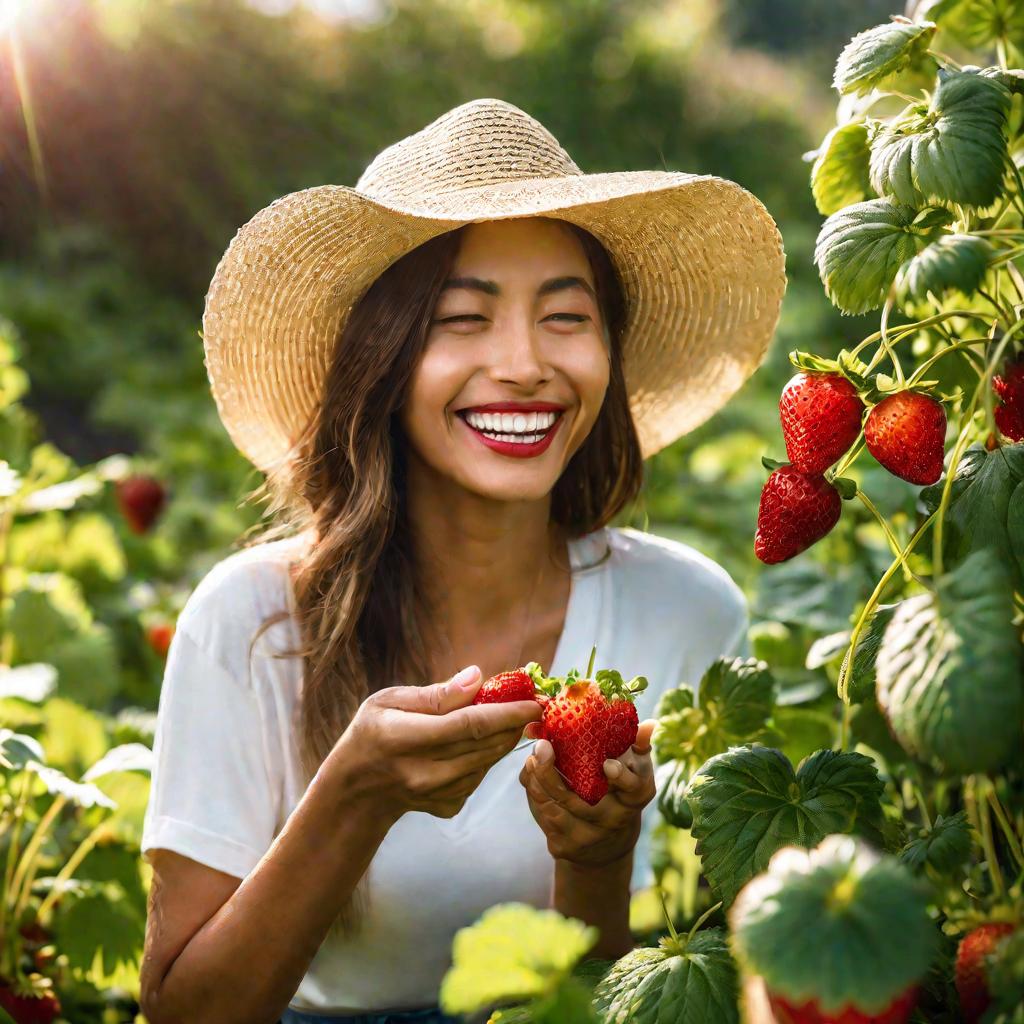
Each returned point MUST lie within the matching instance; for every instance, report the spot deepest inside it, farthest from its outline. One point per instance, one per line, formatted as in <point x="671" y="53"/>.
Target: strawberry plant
<point x="846" y="832"/>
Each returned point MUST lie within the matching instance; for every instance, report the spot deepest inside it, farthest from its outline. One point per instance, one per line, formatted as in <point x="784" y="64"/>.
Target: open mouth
<point x="512" y="428"/>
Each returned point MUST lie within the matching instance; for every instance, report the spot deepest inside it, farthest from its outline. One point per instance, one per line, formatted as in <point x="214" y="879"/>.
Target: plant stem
<point x="995" y="871"/>
<point x="953" y="346"/>
<point x="849" y="458"/>
<point x="949" y="60"/>
<point x="27" y="864"/>
<point x="700" y="920"/>
<point x="869" y="606"/>
<point x="68" y="870"/>
<point x="893" y="540"/>
<point x="923" y="807"/>
<point x="904" y="329"/>
<point x="668" y="917"/>
<point x="1004" y="823"/>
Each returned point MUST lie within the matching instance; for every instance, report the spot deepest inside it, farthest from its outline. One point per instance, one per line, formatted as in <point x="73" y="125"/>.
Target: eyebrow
<point x="554" y="284"/>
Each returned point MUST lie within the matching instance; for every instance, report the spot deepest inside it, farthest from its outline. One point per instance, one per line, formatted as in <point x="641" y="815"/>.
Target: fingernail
<point x="543" y="752"/>
<point x="613" y="768"/>
<point x="467" y="677"/>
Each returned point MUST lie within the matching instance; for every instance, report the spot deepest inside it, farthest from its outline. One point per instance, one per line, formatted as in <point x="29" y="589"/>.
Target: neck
<point x="478" y="560"/>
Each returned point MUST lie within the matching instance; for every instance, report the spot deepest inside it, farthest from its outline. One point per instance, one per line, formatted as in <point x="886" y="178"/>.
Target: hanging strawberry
<point x="141" y="500"/>
<point x="820" y="415"/>
<point x="906" y="433"/>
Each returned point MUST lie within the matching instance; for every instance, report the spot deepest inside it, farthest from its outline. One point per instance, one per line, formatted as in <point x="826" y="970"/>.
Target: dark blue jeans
<point x="431" y="1015"/>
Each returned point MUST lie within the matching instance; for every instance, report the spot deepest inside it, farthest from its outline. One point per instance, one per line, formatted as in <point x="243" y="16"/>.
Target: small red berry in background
<point x="158" y="636"/>
<point x="971" y="979"/>
<point x="1009" y="387"/>
<point x="141" y="499"/>
<point x="906" y="433"/>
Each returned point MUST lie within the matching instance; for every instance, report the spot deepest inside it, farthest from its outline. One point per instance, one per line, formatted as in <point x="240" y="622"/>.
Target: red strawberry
<point x="820" y="415"/>
<point x="971" y="981"/>
<point x="141" y="499"/>
<point x="797" y="510"/>
<point x="40" y="1006"/>
<point x="896" y="1012"/>
<point x="906" y="432"/>
<point x="576" y="725"/>
<point x="158" y="636"/>
<point x="623" y="722"/>
<point x="504" y="687"/>
<point x="1010" y="388"/>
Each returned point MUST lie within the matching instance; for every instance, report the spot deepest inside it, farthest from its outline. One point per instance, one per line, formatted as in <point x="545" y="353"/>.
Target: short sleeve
<point x="212" y="795"/>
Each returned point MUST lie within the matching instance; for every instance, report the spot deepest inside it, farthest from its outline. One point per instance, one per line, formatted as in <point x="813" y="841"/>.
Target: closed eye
<point x="574" y="317"/>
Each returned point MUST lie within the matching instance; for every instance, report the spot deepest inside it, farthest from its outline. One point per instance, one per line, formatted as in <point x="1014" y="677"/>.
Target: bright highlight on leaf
<point x="839" y="175"/>
<point x="683" y="982"/>
<point x="514" y="951"/>
<point x="873" y="55"/>
<point x="838" y="924"/>
<point x="953" y="151"/>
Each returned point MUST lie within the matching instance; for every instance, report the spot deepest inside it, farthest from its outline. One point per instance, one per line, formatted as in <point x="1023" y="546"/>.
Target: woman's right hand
<point x="426" y="748"/>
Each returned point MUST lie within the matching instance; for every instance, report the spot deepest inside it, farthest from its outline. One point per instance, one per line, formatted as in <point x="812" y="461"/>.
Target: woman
<point x="451" y="375"/>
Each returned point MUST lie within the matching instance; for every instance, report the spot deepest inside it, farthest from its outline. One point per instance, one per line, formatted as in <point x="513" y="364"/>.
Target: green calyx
<point x="788" y="923"/>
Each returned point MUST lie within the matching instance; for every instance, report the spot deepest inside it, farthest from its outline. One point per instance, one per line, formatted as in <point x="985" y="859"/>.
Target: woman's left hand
<point x="582" y="833"/>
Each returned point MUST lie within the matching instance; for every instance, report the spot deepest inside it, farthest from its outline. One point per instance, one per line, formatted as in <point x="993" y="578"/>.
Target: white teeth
<point x="514" y="425"/>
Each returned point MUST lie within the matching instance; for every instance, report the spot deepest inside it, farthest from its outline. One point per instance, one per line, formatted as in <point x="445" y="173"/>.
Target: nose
<point x="519" y="356"/>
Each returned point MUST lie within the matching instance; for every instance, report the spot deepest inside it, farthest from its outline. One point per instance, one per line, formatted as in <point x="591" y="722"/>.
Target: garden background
<point x="136" y="137"/>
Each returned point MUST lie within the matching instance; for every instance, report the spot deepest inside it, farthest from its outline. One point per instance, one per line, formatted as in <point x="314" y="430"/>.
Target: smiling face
<point x="516" y="364"/>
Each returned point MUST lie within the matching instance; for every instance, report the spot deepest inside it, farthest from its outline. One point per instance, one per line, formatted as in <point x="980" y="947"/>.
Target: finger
<point x="460" y="787"/>
<point x="502" y="741"/>
<point x="632" y="788"/>
<point x="642" y="743"/>
<point x="551" y="782"/>
<point x="437" y="698"/>
<point x="479" y="721"/>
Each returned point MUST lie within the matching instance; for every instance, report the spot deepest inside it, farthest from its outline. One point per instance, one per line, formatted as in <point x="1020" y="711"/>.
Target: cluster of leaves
<point x="901" y="829"/>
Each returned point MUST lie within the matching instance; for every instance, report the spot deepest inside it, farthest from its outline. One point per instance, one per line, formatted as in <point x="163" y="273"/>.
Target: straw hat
<point x="699" y="257"/>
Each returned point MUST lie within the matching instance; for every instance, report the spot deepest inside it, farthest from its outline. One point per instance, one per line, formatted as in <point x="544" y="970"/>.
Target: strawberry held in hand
<point x="971" y="978"/>
<point x="516" y="684"/>
<point x="586" y="721"/>
<point x="906" y="433"/>
<point x="820" y="414"/>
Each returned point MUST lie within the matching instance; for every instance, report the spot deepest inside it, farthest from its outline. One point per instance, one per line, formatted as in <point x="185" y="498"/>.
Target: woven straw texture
<point x="700" y="260"/>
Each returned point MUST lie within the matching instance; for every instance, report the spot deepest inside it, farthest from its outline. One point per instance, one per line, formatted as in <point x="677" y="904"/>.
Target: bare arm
<point x="224" y="951"/>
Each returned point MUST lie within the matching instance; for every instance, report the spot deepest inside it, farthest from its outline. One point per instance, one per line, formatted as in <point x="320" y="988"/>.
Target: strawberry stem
<point x="700" y="920"/>
<point x="590" y="664"/>
<point x="668" y="919"/>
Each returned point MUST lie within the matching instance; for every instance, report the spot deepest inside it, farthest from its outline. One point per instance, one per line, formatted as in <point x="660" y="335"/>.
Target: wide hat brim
<point x="700" y="259"/>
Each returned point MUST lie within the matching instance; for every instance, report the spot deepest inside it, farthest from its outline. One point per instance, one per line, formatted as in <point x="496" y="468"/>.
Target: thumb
<point x="440" y="698"/>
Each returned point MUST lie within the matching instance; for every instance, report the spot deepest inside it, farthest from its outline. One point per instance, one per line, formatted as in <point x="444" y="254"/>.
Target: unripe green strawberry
<point x="820" y="414"/>
<point x="796" y="511"/>
<point x="906" y="433"/>
<point x="971" y="978"/>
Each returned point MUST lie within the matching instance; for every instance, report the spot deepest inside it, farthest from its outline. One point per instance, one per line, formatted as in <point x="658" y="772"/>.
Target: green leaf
<point x="129" y="757"/>
<point x="978" y="23"/>
<point x="84" y="794"/>
<point x="673" y="778"/>
<point x="514" y="951"/>
<point x="802" y="731"/>
<point x="678" y="982"/>
<point x="944" y="847"/>
<point x="839" y="174"/>
<point x="950" y="262"/>
<point x="860" y="249"/>
<point x="860" y="686"/>
<point x="873" y="55"/>
<point x="949" y="670"/>
<point x="103" y="924"/>
<point x="6" y="1018"/>
<point x="838" y="924"/>
<point x="17" y="749"/>
<point x="733" y="702"/>
<point x="981" y="511"/>
<point x="748" y="802"/>
<point x="953" y="151"/>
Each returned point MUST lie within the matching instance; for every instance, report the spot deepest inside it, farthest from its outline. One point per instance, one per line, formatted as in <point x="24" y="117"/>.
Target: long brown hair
<point x="354" y="585"/>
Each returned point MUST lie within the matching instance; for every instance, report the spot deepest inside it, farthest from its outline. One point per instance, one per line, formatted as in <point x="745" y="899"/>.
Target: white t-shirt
<point x="227" y="774"/>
